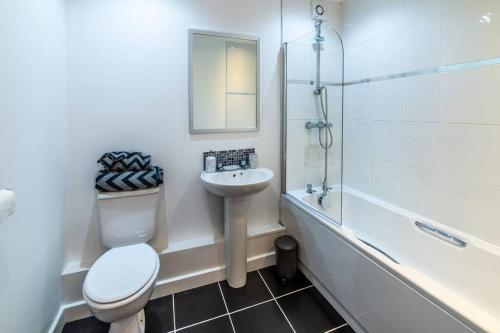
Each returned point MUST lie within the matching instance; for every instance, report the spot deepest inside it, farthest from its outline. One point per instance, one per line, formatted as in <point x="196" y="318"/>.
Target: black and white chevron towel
<point x="125" y="161"/>
<point x="113" y="181"/>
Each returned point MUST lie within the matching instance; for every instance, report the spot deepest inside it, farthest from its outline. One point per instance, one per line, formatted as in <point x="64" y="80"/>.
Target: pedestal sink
<point x="236" y="187"/>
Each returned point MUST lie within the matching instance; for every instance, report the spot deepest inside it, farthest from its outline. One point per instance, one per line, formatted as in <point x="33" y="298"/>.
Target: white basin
<point x="236" y="187"/>
<point x="237" y="183"/>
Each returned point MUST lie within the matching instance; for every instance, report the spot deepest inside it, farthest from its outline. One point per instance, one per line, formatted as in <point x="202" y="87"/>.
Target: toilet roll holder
<point x="7" y="204"/>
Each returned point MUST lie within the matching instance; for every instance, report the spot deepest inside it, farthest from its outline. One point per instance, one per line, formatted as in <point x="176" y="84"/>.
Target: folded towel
<point x="123" y="161"/>
<point x="113" y="181"/>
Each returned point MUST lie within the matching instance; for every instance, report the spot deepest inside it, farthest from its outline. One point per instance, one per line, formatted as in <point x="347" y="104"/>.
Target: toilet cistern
<point x="236" y="187"/>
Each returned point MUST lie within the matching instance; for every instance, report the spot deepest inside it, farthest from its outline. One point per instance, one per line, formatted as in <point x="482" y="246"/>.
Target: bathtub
<point x="390" y="276"/>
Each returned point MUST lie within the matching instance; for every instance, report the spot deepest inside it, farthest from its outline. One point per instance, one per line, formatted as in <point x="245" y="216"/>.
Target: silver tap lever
<point x="309" y="189"/>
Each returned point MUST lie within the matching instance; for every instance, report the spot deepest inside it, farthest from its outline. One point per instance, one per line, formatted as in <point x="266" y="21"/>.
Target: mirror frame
<point x="192" y="130"/>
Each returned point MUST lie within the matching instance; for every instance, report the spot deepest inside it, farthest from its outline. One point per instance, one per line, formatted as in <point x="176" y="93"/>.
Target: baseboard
<point x="331" y="299"/>
<point x="79" y="310"/>
<point x="181" y="268"/>
<point x="58" y="322"/>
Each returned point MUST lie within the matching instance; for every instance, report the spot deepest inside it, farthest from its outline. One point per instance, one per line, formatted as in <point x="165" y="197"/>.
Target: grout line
<point x="295" y="291"/>
<point x="173" y="310"/>
<point x="279" y="306"/>
<point x="201" y="322"/>
<point x="265" y="283"/>
<point x="233" y="312"/>
<point x="271" y="299"/>
<point x="252" y="306"/>
<point x="336" y="328"/>
<point x="242" y="309"/>
<point x="227" y="309"/>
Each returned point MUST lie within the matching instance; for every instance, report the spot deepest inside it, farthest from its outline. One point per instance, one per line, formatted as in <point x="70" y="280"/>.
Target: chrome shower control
<point x="309" y="189"/>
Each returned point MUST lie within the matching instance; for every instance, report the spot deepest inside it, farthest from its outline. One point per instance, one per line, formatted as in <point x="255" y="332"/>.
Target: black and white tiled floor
<point x="263" y="305"/>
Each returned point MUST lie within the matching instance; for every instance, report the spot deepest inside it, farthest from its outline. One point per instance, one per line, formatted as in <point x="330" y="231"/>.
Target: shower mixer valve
<point x="320" y="124"/>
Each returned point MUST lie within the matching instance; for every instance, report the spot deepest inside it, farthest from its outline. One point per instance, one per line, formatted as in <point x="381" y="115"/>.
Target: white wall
<point x="427" y="143"/>
<point x="128" y="89"/>
<point x="32" y="101"/>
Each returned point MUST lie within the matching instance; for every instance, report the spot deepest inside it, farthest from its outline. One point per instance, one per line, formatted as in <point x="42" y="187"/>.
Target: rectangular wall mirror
<point x="224" y="82"/>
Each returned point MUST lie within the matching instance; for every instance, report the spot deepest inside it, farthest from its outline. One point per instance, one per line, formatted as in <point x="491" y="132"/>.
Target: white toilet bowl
<point x="119" y="284"/>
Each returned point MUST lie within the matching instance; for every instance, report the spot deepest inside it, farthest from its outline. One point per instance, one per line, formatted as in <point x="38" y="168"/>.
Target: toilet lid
<point x="120" y="273"/>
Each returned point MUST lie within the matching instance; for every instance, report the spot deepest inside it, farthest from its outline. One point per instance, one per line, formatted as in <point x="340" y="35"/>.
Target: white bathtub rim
<point x="449" y="302"/>
<point x="470" y="239"/>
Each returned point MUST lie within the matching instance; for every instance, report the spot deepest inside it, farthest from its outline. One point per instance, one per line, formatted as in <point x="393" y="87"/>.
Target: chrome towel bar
<point x="443" y="235"/>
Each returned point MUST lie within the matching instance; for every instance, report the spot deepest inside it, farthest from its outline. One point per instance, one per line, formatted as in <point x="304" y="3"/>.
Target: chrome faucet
<point x="243" y="165"/>
<point x="309" y="189"/>
<point x="323" y="199"/>
<point x="326" y="188"/>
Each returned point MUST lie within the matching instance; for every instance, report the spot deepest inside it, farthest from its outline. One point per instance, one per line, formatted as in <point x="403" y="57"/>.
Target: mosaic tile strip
<point x="229" y="157"/>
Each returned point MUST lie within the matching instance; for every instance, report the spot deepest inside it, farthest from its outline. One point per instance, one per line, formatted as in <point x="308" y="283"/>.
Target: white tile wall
<point x="421" y="98"/>
<point x="494" y="156"/>
<point x="467" y="34"/>
<point x="386" y="53"/>
<point x="419" y="147"/>
<point x="385" y="100"/>
<point x="493" y="229"/>
<point x="357" y="54"/>
<point x="495" y="96"/>
<point x="463" y="205"/>
<point x="404" y="35"/>
<point x="496" y="23"/>
<point x="466" y="96"/>
<point x="358" y="172"/>
<point x="386" y="178"/>
<point x="359" y="108"/>
<point x="422" y="45"/>
<point x="384" y="147"/>
<point x="463" y="151"/>
<point x="453" y="5"/>
<point x="428" y="143"/>
<point x="417" y="11"/>
<point x="418" y="191"/>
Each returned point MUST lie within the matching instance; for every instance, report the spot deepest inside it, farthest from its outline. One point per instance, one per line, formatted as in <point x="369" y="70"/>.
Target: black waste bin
<point x="286" y="257"/>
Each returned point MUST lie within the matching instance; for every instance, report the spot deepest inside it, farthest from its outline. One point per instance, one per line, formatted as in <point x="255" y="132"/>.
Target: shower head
<point x="318" y="38"/>
<point x="317" y="26"/>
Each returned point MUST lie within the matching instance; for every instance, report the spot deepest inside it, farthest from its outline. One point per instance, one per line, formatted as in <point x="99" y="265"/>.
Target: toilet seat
<point x="121" y="273"/>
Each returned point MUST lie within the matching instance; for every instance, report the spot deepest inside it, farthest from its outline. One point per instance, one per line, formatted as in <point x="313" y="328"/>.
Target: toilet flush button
<point x="7" y="204"/>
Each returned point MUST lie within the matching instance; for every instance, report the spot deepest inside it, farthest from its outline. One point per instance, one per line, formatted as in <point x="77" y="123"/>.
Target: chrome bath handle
<point x="443" y="235"/>
<point x="379" y="250"/>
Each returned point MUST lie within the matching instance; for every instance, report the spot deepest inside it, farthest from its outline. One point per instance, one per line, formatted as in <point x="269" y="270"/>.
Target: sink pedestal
<point x="235" y="234"/>
<point x="236" y="187"/>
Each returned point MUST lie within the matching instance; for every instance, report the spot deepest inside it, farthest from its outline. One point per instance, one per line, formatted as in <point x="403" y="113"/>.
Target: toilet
<point x="120" y="283"/>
